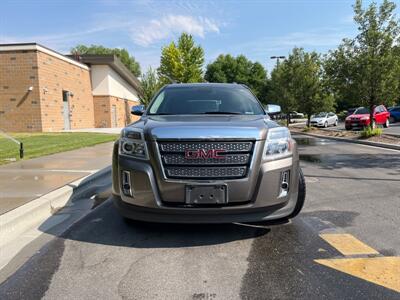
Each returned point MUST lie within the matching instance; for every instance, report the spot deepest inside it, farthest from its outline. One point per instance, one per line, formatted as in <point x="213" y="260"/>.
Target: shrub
<point x="368" y="132"/>
<point x="307" y="129"/>
<point x="342" y="115"/>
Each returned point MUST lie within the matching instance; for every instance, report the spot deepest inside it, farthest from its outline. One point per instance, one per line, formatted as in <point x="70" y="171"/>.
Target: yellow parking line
<point x="384" y="271"/>
<point x="347" y="244"/>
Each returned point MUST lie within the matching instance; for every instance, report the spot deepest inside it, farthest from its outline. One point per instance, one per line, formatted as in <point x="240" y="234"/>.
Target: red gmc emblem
<point x="212" y="153"/>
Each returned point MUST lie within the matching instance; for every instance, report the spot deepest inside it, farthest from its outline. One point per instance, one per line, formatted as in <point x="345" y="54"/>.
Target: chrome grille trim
<point x="227" y="146"/>
<point x="234" y="164"/>
<point x="229" y="159"/>
<point x="206" y="172"/>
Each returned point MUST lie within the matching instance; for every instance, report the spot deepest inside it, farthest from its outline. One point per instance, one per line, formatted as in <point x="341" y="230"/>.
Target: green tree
<point x="128" y="60"/>
<point x="150" y="85"/>
<point x="227" y="68"/>
<point x="279" y="91"/>
<point x="181" y="61"/>
<point x="297" y="83"/>
<point x="366" y="68"/>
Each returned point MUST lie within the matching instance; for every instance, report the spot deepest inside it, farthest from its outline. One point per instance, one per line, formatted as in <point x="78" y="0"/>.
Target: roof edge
<point x="41" y="48"/>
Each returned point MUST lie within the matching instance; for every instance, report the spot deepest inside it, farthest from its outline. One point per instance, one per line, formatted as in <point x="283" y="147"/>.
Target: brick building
<point x="42" y="90"/>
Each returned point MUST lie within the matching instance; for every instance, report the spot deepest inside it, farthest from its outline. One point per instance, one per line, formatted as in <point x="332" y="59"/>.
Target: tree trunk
<point x="308" y="120"/>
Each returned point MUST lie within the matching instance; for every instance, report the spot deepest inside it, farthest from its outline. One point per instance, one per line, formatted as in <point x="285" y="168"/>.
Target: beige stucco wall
<point x="105" y="81"/>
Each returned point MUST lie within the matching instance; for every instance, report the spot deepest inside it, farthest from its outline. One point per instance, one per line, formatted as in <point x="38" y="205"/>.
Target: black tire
<point x="386" y="124"/>
<point x="326" y="124"/>
<point x="301" y="197"/>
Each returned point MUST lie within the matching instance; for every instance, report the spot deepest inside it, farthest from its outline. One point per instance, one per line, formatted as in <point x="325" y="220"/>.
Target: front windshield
<point x="361" y="111"/>
<point x="321" y="115"/>
<point x="205" y="100"/>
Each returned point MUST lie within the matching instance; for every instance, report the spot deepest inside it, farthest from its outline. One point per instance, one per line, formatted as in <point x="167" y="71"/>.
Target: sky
<point x="255" y="28"/>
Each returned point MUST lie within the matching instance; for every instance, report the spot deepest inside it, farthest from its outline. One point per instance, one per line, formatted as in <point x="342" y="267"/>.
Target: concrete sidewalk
<point x="114" y="130"/>
<point x="24" y="181"/>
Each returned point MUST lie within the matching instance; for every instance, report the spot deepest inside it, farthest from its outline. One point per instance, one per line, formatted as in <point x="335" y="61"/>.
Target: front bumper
<point x="152" y="196"/>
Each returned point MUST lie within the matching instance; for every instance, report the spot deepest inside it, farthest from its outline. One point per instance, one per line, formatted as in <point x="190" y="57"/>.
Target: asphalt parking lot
<point x="344" y="245"/>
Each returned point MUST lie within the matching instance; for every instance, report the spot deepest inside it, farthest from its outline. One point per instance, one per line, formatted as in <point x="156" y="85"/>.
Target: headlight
<point x="132" y="143"/>
<point x="364" y="118"/>
<point x="279" y="143"/>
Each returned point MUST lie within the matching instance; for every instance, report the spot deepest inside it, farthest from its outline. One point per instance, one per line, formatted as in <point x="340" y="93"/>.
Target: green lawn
<point x="40" y="144"/>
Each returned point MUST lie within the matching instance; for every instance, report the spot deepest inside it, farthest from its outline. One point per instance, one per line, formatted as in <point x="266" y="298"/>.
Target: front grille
<point x="233" y="162"/>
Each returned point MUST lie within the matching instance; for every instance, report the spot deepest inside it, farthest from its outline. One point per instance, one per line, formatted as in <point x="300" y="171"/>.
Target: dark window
<point x="206" y="100"/>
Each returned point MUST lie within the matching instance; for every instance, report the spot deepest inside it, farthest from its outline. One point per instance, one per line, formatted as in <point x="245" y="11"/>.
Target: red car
<point x="360" y="118"/>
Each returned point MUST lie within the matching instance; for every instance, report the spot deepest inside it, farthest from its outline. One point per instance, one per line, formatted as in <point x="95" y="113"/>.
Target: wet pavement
<point x="23" y="181"/>
<point x="352" y="191"/>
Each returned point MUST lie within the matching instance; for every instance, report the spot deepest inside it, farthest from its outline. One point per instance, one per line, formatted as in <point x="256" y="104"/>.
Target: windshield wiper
<point x="221" y="113"/>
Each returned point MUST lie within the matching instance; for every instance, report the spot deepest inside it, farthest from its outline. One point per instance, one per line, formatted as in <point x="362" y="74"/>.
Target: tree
<point x="297" y="83"/>
<point x="366" y="68"/>
<point x="181" y="62"/>
<point x="150" y="85"/>
<point x="227" y="68"/>
<point x="128" y="60"/>
<point x="279" y="91"/>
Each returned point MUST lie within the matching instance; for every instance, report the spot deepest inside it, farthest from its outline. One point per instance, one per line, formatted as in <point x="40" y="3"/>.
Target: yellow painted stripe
<point x="384" y="271"/>
<point x="347" y="244"/>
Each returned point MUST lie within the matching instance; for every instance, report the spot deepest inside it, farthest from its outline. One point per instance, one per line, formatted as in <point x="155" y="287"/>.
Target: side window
<point x="154" y="108"/>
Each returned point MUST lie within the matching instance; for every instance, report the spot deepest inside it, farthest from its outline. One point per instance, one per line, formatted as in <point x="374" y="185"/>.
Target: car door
<point x="378" y="115"/>
<point x="331" y="118"/>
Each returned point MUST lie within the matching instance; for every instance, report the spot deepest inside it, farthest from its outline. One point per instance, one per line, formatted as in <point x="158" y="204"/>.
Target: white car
<point x="324" y="119"/>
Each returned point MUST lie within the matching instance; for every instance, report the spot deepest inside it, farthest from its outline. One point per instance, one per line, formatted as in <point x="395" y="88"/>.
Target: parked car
<point x="361" y="118"/>
<point x="351" y="111"/>
<point x="206" y="153"/>
<point x="394" y="114"/>
<point x="296" y="115"/>
<point x="324" y="119"/>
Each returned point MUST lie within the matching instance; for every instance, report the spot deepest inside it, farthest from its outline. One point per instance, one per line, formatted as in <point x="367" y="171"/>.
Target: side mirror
<point x="273" y="109"/>
<point x="137" y="110"/>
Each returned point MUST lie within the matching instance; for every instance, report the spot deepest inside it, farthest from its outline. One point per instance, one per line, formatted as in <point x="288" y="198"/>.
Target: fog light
<point x="285" y="183"/>
<point x="126" y="183"/>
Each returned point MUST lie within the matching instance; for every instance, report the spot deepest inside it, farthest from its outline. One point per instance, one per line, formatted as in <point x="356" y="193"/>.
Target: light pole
<point x="278" y="58"/>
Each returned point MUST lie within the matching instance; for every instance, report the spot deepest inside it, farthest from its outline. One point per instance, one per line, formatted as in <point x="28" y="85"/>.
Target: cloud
<point x="157" y="30"/>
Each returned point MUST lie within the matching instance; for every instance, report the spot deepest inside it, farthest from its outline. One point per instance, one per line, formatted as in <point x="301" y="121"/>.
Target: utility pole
<point x="278" y="58"/>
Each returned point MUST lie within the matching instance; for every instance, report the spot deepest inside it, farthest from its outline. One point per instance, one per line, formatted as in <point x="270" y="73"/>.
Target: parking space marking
<point x="384" y="271"/>
<point x="347" y="244"/>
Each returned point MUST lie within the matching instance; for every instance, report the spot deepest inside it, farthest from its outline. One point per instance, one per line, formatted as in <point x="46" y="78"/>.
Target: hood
<point x="358" y="116"/>
<point x="186" y="127"/>
<point x="318" y="119"/>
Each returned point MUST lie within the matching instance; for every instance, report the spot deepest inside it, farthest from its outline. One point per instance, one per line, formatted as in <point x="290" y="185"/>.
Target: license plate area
<point x="206" y="194"/>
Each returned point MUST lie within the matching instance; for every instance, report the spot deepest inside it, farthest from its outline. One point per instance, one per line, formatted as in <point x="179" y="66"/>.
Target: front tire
<point x="326" y="124"/>
<point x="386" y="124"/>
<point x="301" y="196"/>
<point x="336" y="123"/>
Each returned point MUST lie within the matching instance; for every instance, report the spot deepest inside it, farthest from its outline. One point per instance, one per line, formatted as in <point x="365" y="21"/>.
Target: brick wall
<point x="103" y="111"/>
<point x="19" y="108"/>
<point x="56" y="76"/>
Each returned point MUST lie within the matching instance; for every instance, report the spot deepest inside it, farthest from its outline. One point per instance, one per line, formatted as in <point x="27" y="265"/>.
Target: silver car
<point x="206" y="153"/>
<point x="324" y="119"/>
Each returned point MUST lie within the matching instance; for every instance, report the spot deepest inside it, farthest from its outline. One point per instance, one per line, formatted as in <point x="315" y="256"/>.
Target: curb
<point x="367" y="143"/>
<point x="19" y="220"/>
